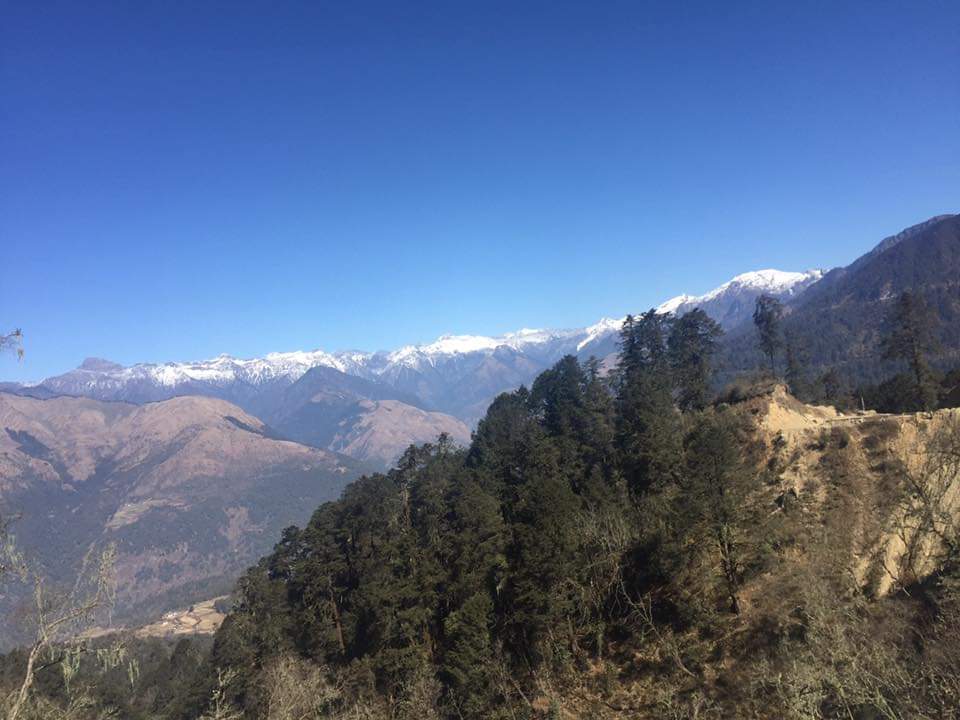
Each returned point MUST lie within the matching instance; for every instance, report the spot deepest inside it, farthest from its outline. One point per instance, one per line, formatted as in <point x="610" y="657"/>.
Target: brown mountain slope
<point x="381" y="430"/>
<point x="191" y="490"/>
<point x="368" y="421"/>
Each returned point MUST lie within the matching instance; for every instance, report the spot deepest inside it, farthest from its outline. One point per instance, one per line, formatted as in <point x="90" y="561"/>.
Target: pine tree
<point x="599" y="432"/>
<point x="691" y="345"/>
<point x="832" y="387"/>
<point x="428" y="489"/>
<point x="557" y="398"/>
<point x="469" y="660"/>
<point x="479" y="538"/>
<point x="713" y="501"/>
<point x="910" y="338"/>
<point x="538" y="600"/>
<point x="643" y="343"/>
<point x="767" y="317"/>
<point x="318" y="580"/>
<point x="648" y="429"/>
<point x="497" y="450"/>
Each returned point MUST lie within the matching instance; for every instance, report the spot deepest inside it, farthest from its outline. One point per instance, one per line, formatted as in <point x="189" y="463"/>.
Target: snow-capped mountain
<point x="455" y="374"/>
<point x="221" y="370"/>
<point x="732" y="303"/>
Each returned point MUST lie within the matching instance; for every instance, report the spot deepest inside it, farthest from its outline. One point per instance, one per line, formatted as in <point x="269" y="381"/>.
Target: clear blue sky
<point x="180" y="179"/>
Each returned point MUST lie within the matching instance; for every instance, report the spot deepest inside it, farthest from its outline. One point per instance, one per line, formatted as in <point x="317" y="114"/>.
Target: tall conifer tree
<point x="910" y="338"/>
<point x="648" y="432"/>
<point x="691" y="345"/>
<point x="766" y="318"/>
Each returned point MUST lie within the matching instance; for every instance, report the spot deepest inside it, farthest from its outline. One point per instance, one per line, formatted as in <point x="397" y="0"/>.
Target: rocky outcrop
<point x="882" y="490"/>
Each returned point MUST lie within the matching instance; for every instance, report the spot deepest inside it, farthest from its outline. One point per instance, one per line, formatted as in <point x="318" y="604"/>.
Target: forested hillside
<point x="609" y="548"/>
<point x="839" y="322"/>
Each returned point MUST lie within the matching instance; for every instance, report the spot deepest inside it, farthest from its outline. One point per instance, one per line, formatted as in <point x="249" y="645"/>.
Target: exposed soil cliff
<point x="884" y="488"/>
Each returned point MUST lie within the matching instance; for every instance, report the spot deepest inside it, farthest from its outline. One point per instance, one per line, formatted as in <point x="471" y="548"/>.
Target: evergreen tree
<point x="648" y="434"/>
<point x="575" y="408"/>
<point x="469" y="662"/>
<point x="910" y="338"/>
<point x="496" y="452"/>
<point x="557" y="398"/>
<point x="643" y="343"/>
<point x="713" y="502"/>
<point x="767" y="316"/>
<point x="318" y="581"/>
<point x="598" y="441"/>
<point x="428" y="491"/>
<point x="539" y="602"/>
<point x="691" y="345"/>
<point x="479" y="537"/>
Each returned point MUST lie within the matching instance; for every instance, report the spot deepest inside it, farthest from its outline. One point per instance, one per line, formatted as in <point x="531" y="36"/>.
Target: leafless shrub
<point x="12" y="563"/>
<point x="221" y="707"/>
<point x="297" y="689"/>
<point x="61" y="618"/>
<point x="930" y="507"/>
<point x="12" y="342"/>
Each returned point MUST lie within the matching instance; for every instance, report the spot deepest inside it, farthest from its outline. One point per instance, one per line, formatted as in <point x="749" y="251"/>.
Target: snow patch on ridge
<point x="605" y="327"/>
<point x="219" y="370"/>
<point x="776" y="282"/>
<point x="448" y="346"/>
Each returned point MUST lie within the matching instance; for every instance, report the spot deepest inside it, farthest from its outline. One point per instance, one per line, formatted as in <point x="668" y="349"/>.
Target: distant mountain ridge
<point x="99" y="376"/>
<point x="365" y="419"/>
<point x="455" y="375"/>
<point x="448" y="383"/>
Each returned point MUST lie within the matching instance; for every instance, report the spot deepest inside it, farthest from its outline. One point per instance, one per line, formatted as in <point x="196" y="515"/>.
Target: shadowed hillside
<point x="839" y="321"/>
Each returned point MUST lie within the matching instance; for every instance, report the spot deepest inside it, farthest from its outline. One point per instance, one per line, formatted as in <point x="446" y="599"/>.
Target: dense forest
<point x="608" y="546"/>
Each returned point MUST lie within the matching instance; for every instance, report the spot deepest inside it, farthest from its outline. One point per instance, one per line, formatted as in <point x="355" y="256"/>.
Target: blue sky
<point x="183" y="179"/>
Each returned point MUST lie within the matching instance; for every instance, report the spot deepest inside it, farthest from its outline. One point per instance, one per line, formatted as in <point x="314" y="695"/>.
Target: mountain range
<point x="372" y="405"/>
<point x="192" y="469"/>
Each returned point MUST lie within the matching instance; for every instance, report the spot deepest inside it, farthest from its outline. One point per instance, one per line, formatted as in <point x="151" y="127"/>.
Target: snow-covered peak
<point x="218" y="370"/>
<point x="459" y="344"/>
<point x="447" y="346"/>
<point x="779" y="283"/>
<point x="599" y="330"/>
<point x="773" y="281"/>
<point x="528" y="336"/>
<point x="671" y="305"/>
